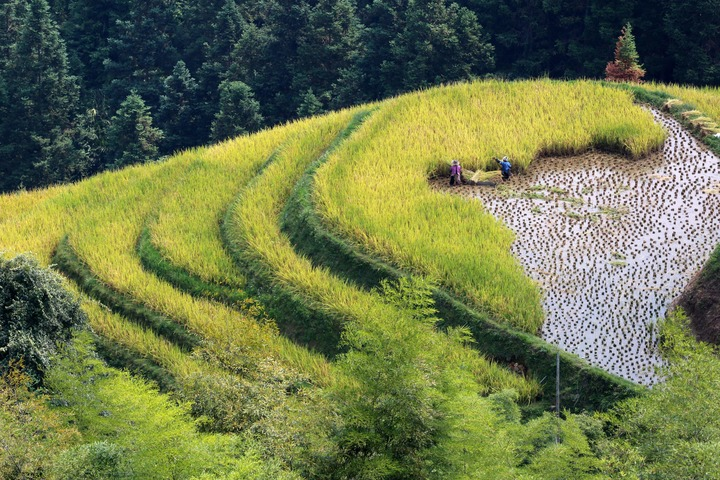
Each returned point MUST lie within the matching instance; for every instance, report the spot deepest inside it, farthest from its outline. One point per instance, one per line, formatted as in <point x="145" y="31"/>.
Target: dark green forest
<point x="87" y="85"/>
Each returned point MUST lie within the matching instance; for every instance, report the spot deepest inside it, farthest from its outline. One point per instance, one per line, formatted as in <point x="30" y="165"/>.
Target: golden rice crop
<point x="255" y="221"/>
<point x="103" y="218"/>
<point x="22" y="203"/>
<point x="374" y="188"/>
<point x="706" y="99"/>
<point x="142" y="341"/>
<point x="187" y="219"/>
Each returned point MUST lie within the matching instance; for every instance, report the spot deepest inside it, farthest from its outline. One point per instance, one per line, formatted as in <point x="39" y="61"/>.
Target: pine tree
<point x="265" y="57"/>
<point x="625" y="67"/>
<point x="89" y="26"/>
<point x="227" y="30"/>
<point x="195" y="32"/>
<point x="440" y="42"/>
<point x="178" y="115"/>
<point x="38" y="97"/>
<point x="327" y="49"/>
<point x="141" y="53"/>
<point x="694" y="30"/>
<point x="381" y="20"/>
<point x="239" y="111"/>
<point x="228" y="27"/>
<point x="310" y="105"/>
<point x="131" y="137"/>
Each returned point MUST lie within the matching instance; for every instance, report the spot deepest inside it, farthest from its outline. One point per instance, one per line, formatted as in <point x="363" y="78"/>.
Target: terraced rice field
<point x="174" y="248"/>
<point x="612" y="242"/>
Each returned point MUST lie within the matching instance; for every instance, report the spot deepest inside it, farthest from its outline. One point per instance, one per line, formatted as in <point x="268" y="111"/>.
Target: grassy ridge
<point x="252" y="234"/>
<point x="104" y="217"/>
<point x="374" y="191"/>
<point x="107" y="245"/>
<point x="175" y="207"/>
<point x="154" y="260"/>
<point x="186" y="223"/>
<point x="118" y="356"/>
<point x="67" y="261"/>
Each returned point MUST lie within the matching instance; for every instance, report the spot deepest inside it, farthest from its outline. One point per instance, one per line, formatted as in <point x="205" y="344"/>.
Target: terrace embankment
<point x="701" y="301"/>
<point x="612" y="242"/>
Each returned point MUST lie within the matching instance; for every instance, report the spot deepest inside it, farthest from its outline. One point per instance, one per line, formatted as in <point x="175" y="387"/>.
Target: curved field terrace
<point x="612" y="242"/>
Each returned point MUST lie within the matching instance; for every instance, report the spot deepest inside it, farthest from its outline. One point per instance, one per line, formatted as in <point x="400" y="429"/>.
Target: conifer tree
<point x="239" y="111"/>
<point x="327" y="47"/>
<point x="131" y="136"/>
<point x="436" y="42"/>
<point x="227" y="30"/>
<point x="38" y="96"/>
<point x="178" y="115"/>
<point x="625" y="67"/>
<point x="195" y="32"/>
<point x="228" y="27"/>
<point x="382" y="19"/>
<point x="141" y="54"/>
<point x="265" y="58"/>
<point x="310" y="105"/>
<point x="89" y="25"/>
<point x="693" y="27"/>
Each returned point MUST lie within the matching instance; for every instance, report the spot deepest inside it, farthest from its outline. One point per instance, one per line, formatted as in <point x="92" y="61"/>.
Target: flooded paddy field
<point x="612" y="242"/>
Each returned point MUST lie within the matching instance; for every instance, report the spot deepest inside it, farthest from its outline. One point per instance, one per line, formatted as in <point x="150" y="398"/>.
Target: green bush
<point x="31" y="433"/>
<point x="254" y="385"/>
<point x="93" y="461"/>
<point x="672" y="431"/>
<point x="36" y="314"/>
<point x="152" y="436"/>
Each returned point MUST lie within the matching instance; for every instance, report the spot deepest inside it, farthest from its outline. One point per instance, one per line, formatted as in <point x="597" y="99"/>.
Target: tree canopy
<point x="68" y="66"/>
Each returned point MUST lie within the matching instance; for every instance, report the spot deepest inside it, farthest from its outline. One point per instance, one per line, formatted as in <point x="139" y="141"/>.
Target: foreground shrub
<point x="672" y="432"/>
<point x="93" y="461"/>
<point x="36" y="314"/>
<point x="251" y="387"/>
<point x="145" y="433"/>
<point x="31" y="434"/>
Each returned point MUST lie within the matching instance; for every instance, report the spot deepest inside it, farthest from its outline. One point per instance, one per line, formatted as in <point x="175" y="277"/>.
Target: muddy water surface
<point x="612" y="242"/>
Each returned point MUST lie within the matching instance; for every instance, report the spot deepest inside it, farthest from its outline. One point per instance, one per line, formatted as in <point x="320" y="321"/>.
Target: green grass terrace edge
<point x="155" y="262"/>
<point x="123" y="357"/>
<point x="584" y="387"/>
<point x="295" y="319"/>
<point x="72" y="266"/>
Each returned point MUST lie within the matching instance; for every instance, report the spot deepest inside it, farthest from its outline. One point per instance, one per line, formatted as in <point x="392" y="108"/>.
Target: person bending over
<point x="504" y="168"/>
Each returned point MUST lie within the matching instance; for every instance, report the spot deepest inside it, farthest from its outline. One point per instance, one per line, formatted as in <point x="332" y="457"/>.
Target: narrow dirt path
<point x="612" y="242"/>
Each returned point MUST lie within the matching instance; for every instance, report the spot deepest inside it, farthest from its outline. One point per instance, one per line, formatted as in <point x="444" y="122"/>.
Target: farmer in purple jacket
<point x="455" y="173"/>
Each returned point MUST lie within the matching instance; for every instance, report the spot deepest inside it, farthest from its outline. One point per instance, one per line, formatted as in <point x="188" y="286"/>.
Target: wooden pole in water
<point x="557" y="385"/>
<point x="557" y="395"/>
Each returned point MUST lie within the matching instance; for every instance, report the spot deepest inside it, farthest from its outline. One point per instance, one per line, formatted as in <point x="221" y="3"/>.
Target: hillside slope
<point x="307" y="287"/>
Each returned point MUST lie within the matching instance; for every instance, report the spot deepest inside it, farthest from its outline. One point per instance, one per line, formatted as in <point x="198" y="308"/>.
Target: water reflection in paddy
<point x="612" y="242"/>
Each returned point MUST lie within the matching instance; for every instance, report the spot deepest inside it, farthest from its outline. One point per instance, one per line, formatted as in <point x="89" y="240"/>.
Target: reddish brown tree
<point x="625" y="67"/>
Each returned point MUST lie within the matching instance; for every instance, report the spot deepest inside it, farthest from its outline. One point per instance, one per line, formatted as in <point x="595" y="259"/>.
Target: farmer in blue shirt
<point x="504" y="168"/>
